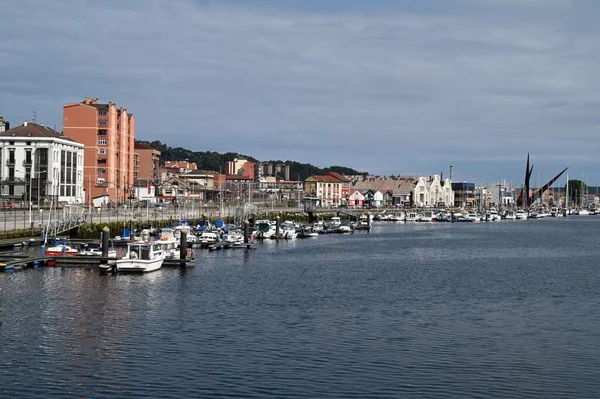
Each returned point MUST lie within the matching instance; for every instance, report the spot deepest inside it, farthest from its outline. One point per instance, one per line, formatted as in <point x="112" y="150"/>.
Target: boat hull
<point x="60" y="253"/>
<point x="139" y="265"/>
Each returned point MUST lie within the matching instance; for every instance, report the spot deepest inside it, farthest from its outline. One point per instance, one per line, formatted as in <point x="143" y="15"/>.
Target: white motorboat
<point x="344" y="228"/>
<point x="510" y="215"/>
<point x="141" y="257"/>
<point x="208" y="238"/>
<point x="521" y="215"/>
<point x="412" y="217"/>
<point x="97" y="252"/>
<point x="168" y="243"/>
<point x="234" y="238"/>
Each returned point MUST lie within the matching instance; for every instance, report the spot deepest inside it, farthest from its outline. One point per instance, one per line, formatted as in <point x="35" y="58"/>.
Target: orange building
<point x="108" y="134"/>
<point x="148" y="162"/>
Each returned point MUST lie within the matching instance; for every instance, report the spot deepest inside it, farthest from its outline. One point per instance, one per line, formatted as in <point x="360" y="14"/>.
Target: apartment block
<point x="147" y="162"/>
<point x="108" y="134"/>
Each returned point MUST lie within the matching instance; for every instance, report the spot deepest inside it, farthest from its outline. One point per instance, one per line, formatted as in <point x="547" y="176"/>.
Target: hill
<point x="210" y="160"/>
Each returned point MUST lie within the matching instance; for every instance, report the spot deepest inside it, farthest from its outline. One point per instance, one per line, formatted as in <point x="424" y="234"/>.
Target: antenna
<point x="34" y="116"/>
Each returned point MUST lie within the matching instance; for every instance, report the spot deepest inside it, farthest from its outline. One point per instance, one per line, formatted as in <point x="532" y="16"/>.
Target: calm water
<point x="492" y="310"/>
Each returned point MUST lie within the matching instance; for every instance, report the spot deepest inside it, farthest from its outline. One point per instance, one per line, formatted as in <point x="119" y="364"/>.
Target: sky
<point x="385" y="87"/>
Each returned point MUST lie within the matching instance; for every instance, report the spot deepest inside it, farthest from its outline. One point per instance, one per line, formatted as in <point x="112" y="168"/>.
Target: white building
<point x="431" y="190"/>
<point x="41" y="164"/>
<point x="4" y="125"/>
<point x="503" y="194"/>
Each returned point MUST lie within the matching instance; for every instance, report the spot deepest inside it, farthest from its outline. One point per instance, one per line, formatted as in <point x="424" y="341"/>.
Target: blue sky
<point x="403" y="87"/>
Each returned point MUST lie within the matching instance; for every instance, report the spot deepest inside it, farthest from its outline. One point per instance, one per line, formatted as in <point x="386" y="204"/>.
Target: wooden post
<point x="368" y="221"/>
<point x="277" y="225"/>
<point x="246" y="231"/>
<point x="131" y="229"/>
<point x="105" y="237"/>
<point x="183" y="246"/>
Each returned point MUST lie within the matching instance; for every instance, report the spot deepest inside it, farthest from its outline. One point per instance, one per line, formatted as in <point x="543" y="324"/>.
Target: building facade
<point x="148" y="162"/>
<point x="4" y="125"/>
<point x="108" y="134"/>
<point x="327" y="188"/>
<point x="40" y="165"/>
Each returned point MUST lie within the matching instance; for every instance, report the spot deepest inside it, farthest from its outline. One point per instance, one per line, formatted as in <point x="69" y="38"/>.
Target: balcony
<point x="102" y="132"/>
<point x="27" y="162"/>
<point x="10" y="162"/>
<point x="102" y="161"/>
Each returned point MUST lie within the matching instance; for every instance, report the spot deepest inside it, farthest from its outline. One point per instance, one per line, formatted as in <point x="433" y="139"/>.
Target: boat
<point x="141" y="257"/>
<point x="521" y="214"/>
<point x="234" y="238"/>
<point x="95" y="249"/>
<point x="6" y="266"/>
<point x="168" y="243"/>
<point x="208" y="238"/>
<point x="61" y="250"/>
<point x="510" y="215"/>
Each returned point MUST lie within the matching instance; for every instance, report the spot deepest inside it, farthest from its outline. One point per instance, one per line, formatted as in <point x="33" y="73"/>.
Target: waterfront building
<point x="108" y="134"/>
<point x="39" y="164"/>
<point x="4" y="125"/>
<point x="398" y="190"/>
<point x="464" y="194"/>
<point x="145" y="190"/>
<point x="147" y="162"/>
<point x="504" y="195"/>
<point x="326" y="188"/>
<point x="181" y="167"/>
<point x="355" y="199"/>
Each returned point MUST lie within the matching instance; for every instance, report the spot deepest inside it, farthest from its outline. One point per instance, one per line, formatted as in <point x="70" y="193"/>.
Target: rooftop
<point x="29" y="129"/>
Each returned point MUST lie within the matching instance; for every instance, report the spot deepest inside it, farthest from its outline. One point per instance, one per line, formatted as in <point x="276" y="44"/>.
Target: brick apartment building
<point x="147" y="162"/>
<point x="108" y="134"/>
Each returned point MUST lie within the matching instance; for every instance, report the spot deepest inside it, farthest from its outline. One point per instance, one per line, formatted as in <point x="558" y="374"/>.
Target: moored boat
<point x="6" y="266"/>
<point x="61" y="250"/>
<point x="141" y="257"/>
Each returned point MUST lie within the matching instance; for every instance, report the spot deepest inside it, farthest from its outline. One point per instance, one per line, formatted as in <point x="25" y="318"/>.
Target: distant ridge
<point x="210" y="160"/>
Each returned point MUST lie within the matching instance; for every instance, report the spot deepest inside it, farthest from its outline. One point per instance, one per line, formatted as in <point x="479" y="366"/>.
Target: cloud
<point x="391" y="87"/>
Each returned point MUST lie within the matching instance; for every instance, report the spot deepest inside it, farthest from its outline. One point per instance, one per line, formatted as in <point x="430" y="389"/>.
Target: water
<point x="492" y="310"/>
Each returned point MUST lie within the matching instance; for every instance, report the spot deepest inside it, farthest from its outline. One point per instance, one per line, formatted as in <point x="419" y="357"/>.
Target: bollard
<point x="183" y="246"/>
<point x="105" y="237"/>
<point x="451" y="216"/>
<point x="277" y="225"/>
<point x="368" y="221"/>
<point x="252" y="222"/>
<point x="131" y="229"/>
<point x="246" y="231"/>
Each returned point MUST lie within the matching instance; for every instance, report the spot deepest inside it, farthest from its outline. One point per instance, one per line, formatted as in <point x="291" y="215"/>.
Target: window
<point x="102" y="122"/>
<point x="11" y="173"/>
<point x="102" y="142"/>
<point x="28" y="157"/>
<point x="102" y="161"/>
<point x="102" y="151"/>
<point x="11" y="156"/>
<point x="101" y="171"/>
<point x="100" y="180"/>
<point x="11" y="190"/>
<point x="102" y="113"/>
<point x="102" y="132"/>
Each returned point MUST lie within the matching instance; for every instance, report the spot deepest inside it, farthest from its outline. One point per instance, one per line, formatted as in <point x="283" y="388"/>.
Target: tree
<point x="577" y="192"/>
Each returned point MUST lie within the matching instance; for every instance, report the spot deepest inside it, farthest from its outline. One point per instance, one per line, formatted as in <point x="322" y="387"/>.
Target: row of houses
<point x="333" y="190"/>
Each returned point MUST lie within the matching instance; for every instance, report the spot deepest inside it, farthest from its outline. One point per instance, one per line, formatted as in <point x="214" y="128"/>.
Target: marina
<point x="487" y="298"/>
